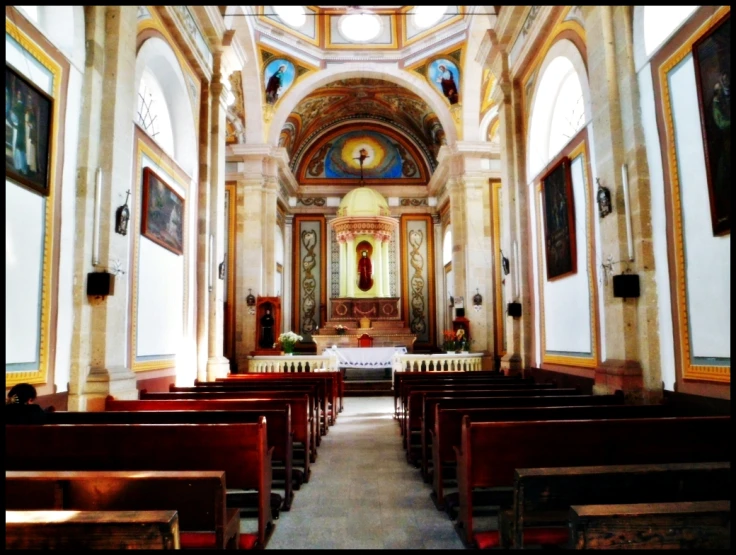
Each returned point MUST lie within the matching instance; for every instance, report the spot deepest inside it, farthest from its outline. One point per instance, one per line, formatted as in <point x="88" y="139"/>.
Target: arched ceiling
<point x="387" y="116"/>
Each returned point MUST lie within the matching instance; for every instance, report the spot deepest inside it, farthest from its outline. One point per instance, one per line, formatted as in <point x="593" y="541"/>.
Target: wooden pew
<point x="335" y="378"/>
<point x="681" y="525"/>
<point x="300" y="424"/>
<point x="239" y="449"/>
<point x="491" y="451"/>
<point x="449" y="380"/>
<point x="91" y="530"/>
<point x="448" y="429"/>
<point x="438" y="377"/>
<point x="197" y="496"/>
<point x="279" y="434"/>
<point x="316" y="387"/>
<point x="429" y="412"/>
<point x="413" y="418"/>
<point x="292" y="397"/>
<point x="543" y="496"/>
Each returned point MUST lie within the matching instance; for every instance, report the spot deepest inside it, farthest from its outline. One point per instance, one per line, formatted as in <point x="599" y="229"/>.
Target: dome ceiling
<point x="397" y="130"/>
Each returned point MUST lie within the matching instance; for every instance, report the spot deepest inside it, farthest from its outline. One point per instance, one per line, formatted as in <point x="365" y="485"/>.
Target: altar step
<point x="368" y="388"/>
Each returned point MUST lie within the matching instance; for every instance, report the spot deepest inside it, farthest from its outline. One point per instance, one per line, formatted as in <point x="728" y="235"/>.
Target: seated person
<point x="19" y="406"/>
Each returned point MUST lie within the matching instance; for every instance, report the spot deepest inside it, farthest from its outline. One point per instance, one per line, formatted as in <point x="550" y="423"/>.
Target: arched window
<point x="153" y="114"/>
<point x="560" y="105"/>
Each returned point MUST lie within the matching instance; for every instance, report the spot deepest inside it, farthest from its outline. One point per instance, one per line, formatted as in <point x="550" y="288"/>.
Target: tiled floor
<point x="362" y="493"/>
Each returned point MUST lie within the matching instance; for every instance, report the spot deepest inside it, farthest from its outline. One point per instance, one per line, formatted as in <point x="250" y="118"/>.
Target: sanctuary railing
<point x="438" y="362"/>
<point x="293" y="363"/>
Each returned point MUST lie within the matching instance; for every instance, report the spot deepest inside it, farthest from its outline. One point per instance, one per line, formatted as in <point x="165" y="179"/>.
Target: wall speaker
<point x="100" y="284"/>
<point x="514" y="309"/>
<point x="626" y="286"/>
<point x="460" y="313"/>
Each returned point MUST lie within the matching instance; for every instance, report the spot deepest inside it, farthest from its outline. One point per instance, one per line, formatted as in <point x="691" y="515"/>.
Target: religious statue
<point x="267" y="322"/>
<point x="365" y="270"/>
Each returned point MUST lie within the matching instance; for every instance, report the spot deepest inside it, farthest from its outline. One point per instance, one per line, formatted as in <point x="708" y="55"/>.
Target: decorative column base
<point x="217" y="367"/>
<point x="120" y="382"/>
<point x="511" y="364"/>
<point x="625" y="375"/>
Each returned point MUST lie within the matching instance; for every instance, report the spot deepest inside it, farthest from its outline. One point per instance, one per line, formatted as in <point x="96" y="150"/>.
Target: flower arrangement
<point x="340" y="329"/>
<point x="454" y="340"/>
<point x="288" y="341"/>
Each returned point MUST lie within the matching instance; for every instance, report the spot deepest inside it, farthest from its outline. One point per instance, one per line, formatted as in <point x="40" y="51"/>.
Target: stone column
<point x="343" y="268"/>
<point x="217" y="365"/>
<point x="378" y="267"/>
<point x="251" y="244"/>
<point x="386" y="267"/>
<point x="439" y="278"/>
<point x="287" y="297"/>
<point x="513" y="229"/>
<point x="100" y="363"/>
<point x="351" y="273"/>
<point x="630" y="350"/>
<point x="203" y="233"/>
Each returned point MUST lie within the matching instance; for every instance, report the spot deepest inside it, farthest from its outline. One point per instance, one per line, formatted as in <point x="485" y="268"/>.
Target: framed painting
<point x="445" y="76"/>
<point x="559" y="221"/>
<point x="278" y="77"/>
<point x="712" y="60"/>
<point x="162" y="218"/>
<point x="28" y="112"/>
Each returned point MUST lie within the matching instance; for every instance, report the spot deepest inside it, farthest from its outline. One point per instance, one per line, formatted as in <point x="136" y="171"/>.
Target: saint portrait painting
<point x="559" y="221"/>
<point x="712" y="59"/>
<point x="162" y="218"/>
<point x="445" y="76"/>
<point x="278" y="77"/>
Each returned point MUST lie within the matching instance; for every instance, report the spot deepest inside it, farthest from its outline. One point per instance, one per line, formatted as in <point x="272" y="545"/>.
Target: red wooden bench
<point x="448" y="428"/>
<point x="491" y="451"/>
<point x="300" y="424"/>
<point x="543" y="496"/>
<point x="197" y="496"/>
<point x="238" y="449"/>
<point x="279" y="434"/>
<point x="74" y="530"/>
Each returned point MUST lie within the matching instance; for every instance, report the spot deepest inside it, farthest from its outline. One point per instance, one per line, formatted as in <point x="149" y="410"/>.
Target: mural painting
<point x="445" y="76"/>
<point x="278" y="77"/>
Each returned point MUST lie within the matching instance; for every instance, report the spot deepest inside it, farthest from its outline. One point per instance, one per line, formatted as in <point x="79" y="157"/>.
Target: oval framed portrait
<point x="278" y="76"/>
<point x="445" y="77"/>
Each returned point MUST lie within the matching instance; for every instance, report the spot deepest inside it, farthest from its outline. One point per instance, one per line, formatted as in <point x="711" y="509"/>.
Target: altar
<point x="367" y="357"/>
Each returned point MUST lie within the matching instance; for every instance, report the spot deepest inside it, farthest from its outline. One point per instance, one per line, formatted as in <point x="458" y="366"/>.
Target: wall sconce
<point x="122" y="217"/>
<point x="477" y="300"/>
<point x="221" y="270"/>
<point x="250" y="300"/>
<point x="603" y="196"/>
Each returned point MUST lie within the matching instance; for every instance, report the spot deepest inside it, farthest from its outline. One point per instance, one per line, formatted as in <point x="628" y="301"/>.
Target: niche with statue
<point x="268" y="325"/>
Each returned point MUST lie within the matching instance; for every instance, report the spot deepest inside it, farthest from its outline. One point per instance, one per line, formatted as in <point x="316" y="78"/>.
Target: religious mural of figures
<point x="445" y="76"/>
<point x="278" y="77"/>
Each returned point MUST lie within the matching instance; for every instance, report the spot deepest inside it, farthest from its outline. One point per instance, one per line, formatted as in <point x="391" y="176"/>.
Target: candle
<point x="627" y="209"/>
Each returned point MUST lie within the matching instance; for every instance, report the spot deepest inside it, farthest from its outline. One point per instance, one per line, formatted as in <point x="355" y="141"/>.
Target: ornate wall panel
<point x="310" y="274"/>
<point x="417" y="263"/>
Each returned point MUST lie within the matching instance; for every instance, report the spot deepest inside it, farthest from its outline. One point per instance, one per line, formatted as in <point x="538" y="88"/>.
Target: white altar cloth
<point x="367" y="357"/>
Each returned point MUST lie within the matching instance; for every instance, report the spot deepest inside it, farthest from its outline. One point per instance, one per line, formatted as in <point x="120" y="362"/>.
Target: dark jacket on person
<point x="16" y="413"/>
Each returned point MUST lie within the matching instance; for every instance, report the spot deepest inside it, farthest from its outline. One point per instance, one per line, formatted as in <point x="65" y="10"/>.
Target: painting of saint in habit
<point x="712" y="57"/>
<point x="444" y="75"/>
<point x="279" y="76"/>
<point x="559" y="221"/>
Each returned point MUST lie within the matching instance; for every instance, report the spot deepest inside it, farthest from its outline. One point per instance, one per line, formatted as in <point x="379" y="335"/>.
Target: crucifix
<point x="363" y="155"/>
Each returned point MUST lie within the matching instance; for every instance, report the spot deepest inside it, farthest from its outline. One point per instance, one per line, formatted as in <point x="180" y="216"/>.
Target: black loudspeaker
<point x="100" y="284"/>
<point x="514" y="309"/>
<point x="626" y="286"/>
<point x="460" y="313"/>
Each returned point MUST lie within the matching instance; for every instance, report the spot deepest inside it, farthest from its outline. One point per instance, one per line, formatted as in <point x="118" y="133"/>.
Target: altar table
<point x="366" y="357"/>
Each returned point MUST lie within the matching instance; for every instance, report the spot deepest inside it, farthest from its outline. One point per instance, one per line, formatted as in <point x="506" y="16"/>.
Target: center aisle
<point x="363" y="493"/>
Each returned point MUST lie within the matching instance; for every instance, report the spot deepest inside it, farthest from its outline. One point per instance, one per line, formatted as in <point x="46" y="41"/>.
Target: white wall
<point x="160" y="289"/>
<point x="707" y="258"/>
<point x="567" y="323"/>
<point x="659" y="226"/>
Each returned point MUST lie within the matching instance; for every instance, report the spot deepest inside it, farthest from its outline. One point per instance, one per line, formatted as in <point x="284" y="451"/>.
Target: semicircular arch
<point x="373" y="70"/>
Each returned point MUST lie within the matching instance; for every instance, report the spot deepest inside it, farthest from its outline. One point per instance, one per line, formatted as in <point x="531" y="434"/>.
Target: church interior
<point x="541" y="193"/>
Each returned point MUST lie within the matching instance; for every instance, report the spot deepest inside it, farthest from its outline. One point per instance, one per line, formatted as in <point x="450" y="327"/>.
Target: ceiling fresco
<point x="357" y="103"/>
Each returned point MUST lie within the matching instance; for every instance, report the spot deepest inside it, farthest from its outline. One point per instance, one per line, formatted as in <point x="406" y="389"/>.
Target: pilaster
<point x="100" y="364"/>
